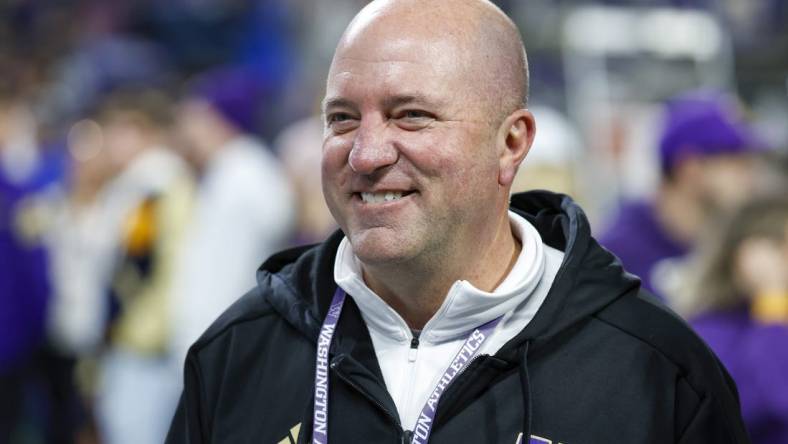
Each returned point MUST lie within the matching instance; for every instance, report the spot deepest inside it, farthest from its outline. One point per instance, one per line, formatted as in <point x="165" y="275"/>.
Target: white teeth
<point x="381" y="197"/>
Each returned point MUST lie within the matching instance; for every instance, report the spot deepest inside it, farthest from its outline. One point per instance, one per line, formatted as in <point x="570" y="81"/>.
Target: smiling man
<point x="446" y="310"/>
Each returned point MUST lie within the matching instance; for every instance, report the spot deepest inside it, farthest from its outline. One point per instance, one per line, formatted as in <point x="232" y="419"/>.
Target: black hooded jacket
<point x="601" y="362"/>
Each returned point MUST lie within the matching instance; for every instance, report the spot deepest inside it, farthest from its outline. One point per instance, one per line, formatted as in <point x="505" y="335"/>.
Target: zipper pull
<point x="414" y="349"/>
<point x="407" y="437"/>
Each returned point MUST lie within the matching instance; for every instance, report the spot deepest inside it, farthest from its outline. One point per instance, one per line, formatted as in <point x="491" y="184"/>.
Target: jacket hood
<point x="300" y="281"/>
<point x="590" y="277"/>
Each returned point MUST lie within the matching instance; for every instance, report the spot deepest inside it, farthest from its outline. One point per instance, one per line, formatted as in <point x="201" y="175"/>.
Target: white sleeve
<point x="244" y="219"/>
<point x="81" y="256"/>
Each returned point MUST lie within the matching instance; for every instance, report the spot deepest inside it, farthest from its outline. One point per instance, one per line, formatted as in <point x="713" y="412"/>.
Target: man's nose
<point x="372" y="149"/>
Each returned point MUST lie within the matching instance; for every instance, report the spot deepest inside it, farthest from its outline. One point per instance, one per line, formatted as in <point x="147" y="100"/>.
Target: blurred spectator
<point x="244" y="204"/>
<point x="707" y="168"/>
<point x="27" y="176"/>
<point x="21" y="311"/>
<point x="113" y="251"/>
<point x="740" y="297"/>
<point x="300" y="147"/>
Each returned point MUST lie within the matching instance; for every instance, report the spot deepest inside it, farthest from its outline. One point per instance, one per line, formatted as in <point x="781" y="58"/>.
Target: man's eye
<point x="414" y="119"/>
<point x="341" y="122"/>
<point x="415" y="114"/>
<point x="338" y="118"/>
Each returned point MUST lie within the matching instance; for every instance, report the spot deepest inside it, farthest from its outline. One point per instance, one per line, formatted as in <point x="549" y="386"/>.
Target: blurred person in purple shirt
<point x="707" y="165"/>
<point x="27" y="175"/>
<point x="739" y="305"/>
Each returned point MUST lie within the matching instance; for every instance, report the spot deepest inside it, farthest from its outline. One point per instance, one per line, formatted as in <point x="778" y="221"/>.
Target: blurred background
<point x="154" y="153"/>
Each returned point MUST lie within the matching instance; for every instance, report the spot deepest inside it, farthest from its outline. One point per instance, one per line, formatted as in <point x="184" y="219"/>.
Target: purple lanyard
<point x="471" y="347"/>
<point x="421" y="432"/>
<point x="320" y="415"/>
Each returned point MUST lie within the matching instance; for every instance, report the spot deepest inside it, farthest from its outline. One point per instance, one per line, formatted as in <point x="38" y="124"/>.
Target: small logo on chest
<point x="292" y="437"/>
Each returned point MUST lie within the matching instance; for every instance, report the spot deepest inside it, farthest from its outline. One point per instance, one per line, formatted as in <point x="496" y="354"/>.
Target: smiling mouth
<point x="382" y="197"/>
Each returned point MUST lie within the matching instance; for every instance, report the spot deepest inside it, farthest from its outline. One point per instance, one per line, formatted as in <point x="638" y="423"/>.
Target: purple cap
<point x="704" y="123"/>
<point x="235" y="93"/>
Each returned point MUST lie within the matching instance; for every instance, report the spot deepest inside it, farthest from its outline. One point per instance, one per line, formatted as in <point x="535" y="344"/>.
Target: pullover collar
<point x="465" y="306"/>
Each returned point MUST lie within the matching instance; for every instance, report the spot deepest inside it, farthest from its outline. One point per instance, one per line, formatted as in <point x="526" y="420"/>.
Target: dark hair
<point x="715" y="285"/>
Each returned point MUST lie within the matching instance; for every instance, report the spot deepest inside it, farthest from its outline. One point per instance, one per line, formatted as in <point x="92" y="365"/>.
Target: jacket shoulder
<point x="642" y="316"/>
<point x="252" y="306"/>
<point x="715" y="400"/>
<point x="250" y="343"/>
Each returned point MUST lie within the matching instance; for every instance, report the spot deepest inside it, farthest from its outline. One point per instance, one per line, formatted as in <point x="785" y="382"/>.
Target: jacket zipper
<point x="414" y="348"/>
<point x="412" y="355"/>
<point x="369" y="397"/>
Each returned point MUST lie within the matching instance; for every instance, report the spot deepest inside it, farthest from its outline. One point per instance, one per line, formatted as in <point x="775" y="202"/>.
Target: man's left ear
<point x="514" y="140"/>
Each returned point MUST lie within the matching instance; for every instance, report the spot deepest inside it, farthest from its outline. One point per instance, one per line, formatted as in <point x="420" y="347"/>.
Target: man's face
<point x="410" y="170"/>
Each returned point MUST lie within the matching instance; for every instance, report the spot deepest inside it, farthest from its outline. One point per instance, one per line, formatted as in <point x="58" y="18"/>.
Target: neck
<point x="419" y="297"/>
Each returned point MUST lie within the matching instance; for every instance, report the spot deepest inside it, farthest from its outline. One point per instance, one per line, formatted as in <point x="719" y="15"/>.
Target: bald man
<point x="446" y="310"/>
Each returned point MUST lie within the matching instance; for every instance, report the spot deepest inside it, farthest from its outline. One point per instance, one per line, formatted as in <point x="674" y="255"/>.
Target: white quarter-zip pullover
<point x="412" y="366"/>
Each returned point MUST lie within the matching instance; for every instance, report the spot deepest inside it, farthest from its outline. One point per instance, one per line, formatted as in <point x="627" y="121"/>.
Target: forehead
<point x="378" y="67"/>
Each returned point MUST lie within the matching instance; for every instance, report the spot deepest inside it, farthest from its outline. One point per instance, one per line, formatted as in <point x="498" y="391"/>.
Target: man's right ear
<point x="514" y="141"/>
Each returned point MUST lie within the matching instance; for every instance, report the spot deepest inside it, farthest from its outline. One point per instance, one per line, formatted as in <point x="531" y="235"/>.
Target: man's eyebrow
<point x="337" y="102"/>
<point x="405" y="99"/>
<point x="388" y="102"/>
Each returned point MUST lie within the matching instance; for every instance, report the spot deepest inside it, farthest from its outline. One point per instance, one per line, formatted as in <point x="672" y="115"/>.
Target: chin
<point x="379" y="247"/>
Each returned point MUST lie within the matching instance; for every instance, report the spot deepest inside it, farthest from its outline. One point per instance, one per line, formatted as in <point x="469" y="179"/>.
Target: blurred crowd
<point x="154" y="153"/>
